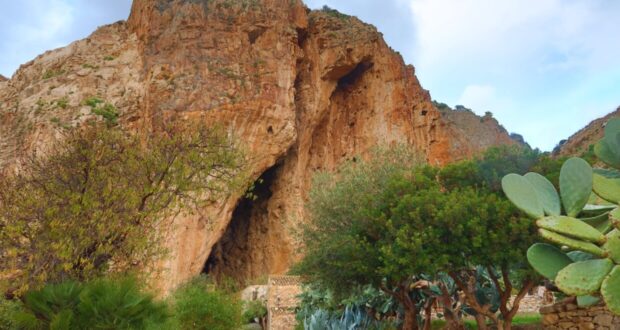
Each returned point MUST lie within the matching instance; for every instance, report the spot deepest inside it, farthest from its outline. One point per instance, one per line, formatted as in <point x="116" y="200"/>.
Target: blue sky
<point x="544" y="68"/>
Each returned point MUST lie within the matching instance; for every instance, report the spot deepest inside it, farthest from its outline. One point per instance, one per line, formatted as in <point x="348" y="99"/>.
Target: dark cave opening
<point x="354" y="75"/>
<point x="238" y="255"/>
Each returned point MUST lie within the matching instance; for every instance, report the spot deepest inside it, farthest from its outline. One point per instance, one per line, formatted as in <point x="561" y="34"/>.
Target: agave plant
<point x="583" y="219"/>
<point x="351" y="319"/>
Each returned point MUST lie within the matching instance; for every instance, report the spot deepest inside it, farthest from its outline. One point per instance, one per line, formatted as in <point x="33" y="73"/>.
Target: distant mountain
<point x="579" y="142"/>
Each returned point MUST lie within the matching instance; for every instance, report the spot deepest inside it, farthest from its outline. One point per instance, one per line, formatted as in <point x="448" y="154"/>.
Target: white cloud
<point x="479" y="98"/>
<point x="546" y="64"/>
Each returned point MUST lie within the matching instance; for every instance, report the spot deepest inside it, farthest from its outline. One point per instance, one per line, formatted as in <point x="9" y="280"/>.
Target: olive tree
<point x="94" y="202"/>
<point x="385" y="221"/>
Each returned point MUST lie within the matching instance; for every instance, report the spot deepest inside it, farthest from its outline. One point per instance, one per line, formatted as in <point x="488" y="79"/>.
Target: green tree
<point x="385" y="221"/>
<point x="94" y="202"/>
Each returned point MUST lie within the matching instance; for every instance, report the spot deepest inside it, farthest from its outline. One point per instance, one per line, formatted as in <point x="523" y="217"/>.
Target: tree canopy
<point x="93" y="203"/>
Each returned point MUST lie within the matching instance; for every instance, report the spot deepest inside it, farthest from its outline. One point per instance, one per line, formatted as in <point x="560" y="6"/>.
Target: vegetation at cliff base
<point x="422" y="234"/>
<point x="92" y="204"/>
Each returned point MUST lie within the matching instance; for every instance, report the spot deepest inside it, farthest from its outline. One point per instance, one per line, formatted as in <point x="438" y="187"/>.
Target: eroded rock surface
<point x="303" y="90"/>
<point x="581" y="141"/>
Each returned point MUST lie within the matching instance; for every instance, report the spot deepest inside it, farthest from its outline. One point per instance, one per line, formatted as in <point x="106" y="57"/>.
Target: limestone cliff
<point x="469" y="133"/>
<point x="303" y="90"/>
<point x="581" y="141"/>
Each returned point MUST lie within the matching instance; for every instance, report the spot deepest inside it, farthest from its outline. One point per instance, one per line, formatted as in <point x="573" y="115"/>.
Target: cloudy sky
<point x="544" y="68"/>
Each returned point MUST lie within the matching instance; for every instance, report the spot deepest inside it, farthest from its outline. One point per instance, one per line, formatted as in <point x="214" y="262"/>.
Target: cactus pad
<point x="601" y="222"/>
<point x="612" y="246"/>
<point x="606" y="183"/>
<point x="547" y="259"/>
<point x="572" y="242"/>
<point x="547" y="194"/>
<point x="523" y="195"/>
<point x="575" y="185"/>
<point x="571" y="227"/>
<point x="584" y="277"/>
<point x="610" y="290"/>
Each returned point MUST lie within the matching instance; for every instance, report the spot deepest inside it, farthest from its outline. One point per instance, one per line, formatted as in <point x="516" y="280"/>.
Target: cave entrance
<point x="243" y="253"/>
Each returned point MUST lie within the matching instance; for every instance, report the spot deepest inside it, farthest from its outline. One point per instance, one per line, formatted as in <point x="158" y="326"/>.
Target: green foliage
<point x="8" y="311"/>
<point x="100" y="304"/>
<point x="254" y="310"/>
<point x="52" y="73"/>
<point x="196" y="307"/>
<point x="107" y="111"/>
<point x="593" y="235"/>
<point x="383" y="222"/>
<point x="98" y="197"/>
<point x="334" y="13"/>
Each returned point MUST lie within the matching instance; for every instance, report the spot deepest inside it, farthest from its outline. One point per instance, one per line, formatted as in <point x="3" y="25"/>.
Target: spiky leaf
<point x="610" y="290"/>
<point x="547" y="259"/>
<point x="522" y="194"/>
<point x="571" y="227"/>
<point x="575" y="185"/>
<point x="547" y="194"/>
<point x="584" y="277"/>
<point x="606" y="183"/>
<point x="571" y="242"/>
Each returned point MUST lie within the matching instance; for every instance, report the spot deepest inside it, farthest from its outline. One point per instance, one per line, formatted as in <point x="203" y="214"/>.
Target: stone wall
<point x="567" y="315"/>
<point x="282" y="300"/>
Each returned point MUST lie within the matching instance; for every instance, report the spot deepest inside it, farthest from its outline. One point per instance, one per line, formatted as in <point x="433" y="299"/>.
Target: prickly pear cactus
<point x="583" y="219"/>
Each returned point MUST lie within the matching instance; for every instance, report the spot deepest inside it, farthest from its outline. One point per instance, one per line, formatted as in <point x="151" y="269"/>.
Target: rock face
<point x="469" y="133"/>
<point x="303" y="90"/>
<point x="579" y="142"/>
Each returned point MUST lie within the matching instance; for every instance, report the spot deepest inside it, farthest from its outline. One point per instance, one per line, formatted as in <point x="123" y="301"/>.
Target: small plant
<point x="90" y="66"/>
<point x="196" y="307"/>
<point x="63" y="102"/>
<point x="8" y="311"/>
<point x="105" y="110"/>
<point x="256" y="311"/>
<point x="52" y="73"/>
<point x="100" y="304"/>
<point x="584" y="219"/>
<point x="93" y="101"/>
<point x="108" y="112"/>
<point x="109" y="58"/>
<point x="334" y="13"/>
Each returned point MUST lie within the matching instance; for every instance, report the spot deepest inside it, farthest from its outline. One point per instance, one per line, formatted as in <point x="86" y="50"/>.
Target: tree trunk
<point x="481" y="321"/>
<point x="411" y="319"/>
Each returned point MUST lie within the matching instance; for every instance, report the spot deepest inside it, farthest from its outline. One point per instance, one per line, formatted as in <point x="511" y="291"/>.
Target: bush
<point x="100" y="304"/>
<point x="97" y="200"/>
<point x="255" y="310"/>
<point x="8" y="310"/>
<point x="198" y="307"/>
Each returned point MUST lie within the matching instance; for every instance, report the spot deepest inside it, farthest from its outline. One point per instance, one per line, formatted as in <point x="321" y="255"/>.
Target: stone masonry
<point x="567" y="315"/>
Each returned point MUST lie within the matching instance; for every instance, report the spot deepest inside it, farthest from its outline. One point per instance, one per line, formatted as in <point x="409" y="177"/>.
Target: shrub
<point x="8" y="310"/>
<point x="197" y="307"/>
<point x="100" y="304"/>
<point x="255" y="310"/>
<point x="98" y="197"/>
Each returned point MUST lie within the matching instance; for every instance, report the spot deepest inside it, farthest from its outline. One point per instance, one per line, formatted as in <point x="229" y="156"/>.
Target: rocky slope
<point x="579" y="142"/>
<point x="303" y="90"/>
<point x="472" y="133"/>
